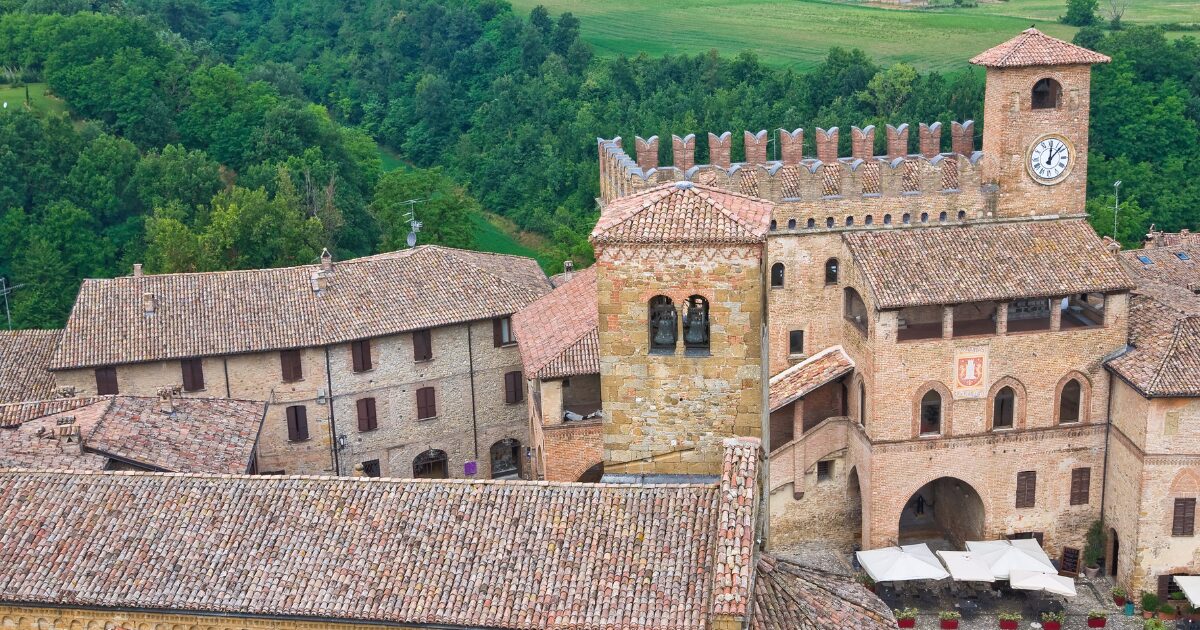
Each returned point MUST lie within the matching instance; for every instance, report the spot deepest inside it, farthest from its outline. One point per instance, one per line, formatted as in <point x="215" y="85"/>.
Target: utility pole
<point x="1116" y="205"/>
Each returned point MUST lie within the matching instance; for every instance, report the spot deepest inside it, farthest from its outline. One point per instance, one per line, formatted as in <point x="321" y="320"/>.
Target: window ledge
<point x="293" y="382"/>
<point x="299" y="441"/>
<point x="662" y="352"/>
<point x="925" y="436"/>
<point x="508" y="344"/>
<point x="697" y="352"/>
<point x="797" y="356"/>
<point x="1003" y="429"/>
<point x="429" y="360"/>
<point x="427" y="419"/>
<point x="367" y="371"/>
<point x="777" y="286"/>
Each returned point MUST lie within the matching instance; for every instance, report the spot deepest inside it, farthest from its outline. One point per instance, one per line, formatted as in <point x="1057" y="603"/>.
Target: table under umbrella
<point x="1004" y="556"/>
<point x="965" y="567"/>
<point x="898" y="564"/>
<point x="1190" y="585"/>
<point x="1037" y="581"/>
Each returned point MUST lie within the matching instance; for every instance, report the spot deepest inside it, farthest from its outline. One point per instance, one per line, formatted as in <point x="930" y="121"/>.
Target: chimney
<point x="568" y="266"/>
<point x="137" y="270"/>
<point x="827" y="145"/>
<point x="931" y="139"/>
<point x="166" y="399"/>
<point x="683" y="151"/>
<point x="862" y="142"/>
<point x="359" y="471"/>
<point x="897" y="141"/>
<point x="756" y="147"/>
<point x="962" y="138"/>
<point x="66" y="391"/>
<point x="791" y="146"/>
<point x="69" y="439"/>
<point x="319" y="281"/>
<point x="149" y="303"/>
<point x="718" y="149"/>
<point x="326" y="260"/>
<point x="647" y="152"/>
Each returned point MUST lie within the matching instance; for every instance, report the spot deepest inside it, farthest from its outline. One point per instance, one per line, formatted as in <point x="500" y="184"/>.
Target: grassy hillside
<point x="797" y="33"/>
<point x="39" y="100"/>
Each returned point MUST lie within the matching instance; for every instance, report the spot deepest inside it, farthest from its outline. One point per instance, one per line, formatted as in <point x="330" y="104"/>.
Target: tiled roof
<point x="788" y="596"/>
<point x="201" y="435"/>
<point x="13" y="414"/>
<point x="1035" y="48"/>
<point x="684" y="212"/>
<point x="1164" y="324"/>
<point x="24" y="364"/>
<point x="205" y="314"/>
<point x="809" y="374"/>
<point x="975" y="263"/>
<point x="1158" y="238"/>
<point x="496" y="554"/>
<point x="557" y="333"/>
<point x="736" y="527"/>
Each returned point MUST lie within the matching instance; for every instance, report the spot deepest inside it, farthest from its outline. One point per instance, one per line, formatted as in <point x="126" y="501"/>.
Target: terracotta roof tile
<point x="13" y="414"/>
<point x="788" y="596"/>
<point x="205" y="314"/>
<point x="962" y="264"/>
<point x="809" y="374"/>
<point x="736" y="527"/>
<point x="1035" y="48"/>
<point x="202" y="434"/>
<point x="557" y="333"/>
<point x="24" y="364"/>
<point x="684" y="212"/>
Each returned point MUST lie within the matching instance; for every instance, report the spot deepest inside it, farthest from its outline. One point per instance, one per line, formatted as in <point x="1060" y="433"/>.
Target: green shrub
<point x="949" y="615"/>
<point x="1150" y="602"/>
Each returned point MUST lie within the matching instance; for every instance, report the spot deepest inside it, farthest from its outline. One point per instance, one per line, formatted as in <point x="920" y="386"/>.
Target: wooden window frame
<point x="1183" y="517"/>
<point x="422" y="345"/>
<point x="1026" y="489"/>
<point x="792" y="347"/>
<point x="360" y="353"/>
<point x="193" y="374"/>
<point x="426" y="403"/>
<point x="106" y="381"/>
<point x="1081" y="485"/>
<point x="291" y="366"/>
<point x="368" y="419"/>
<point x="502" y="335"/>
<point x="297" y="423"/>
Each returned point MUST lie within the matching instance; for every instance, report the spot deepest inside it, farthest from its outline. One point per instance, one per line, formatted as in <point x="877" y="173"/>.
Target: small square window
<point x="1145" y="260"/>
<point x="796" y="342"/>
<point x="371" y="468"/>
<point x="824" y="470"/>
<point x="1182" y="256"/>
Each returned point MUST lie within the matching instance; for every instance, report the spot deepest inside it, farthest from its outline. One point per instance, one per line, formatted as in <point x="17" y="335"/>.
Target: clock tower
<point x="1035" y="123"/>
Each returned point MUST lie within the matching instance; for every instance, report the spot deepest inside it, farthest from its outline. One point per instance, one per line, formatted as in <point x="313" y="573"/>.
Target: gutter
<point x="471" y="376"/>
<point x="333" y="445"/>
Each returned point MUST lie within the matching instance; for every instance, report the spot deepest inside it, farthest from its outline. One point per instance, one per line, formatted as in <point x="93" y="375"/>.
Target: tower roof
<point x="1035" y="48"/>
<point x="684" y="212"/>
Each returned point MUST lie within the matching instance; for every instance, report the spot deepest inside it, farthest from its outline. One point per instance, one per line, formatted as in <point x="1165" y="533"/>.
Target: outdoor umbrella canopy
<point x="897" y="564"/>
<point x="1190" y="585"/>
<point x="965" y="567"/>
<point x="1003" y="557"/>
<point x="1034" y="581"/>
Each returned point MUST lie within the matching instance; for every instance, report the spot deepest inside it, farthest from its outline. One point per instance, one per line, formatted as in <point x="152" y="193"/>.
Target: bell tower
<point x="1035" y="123"/>
<point x="680" y="289"/>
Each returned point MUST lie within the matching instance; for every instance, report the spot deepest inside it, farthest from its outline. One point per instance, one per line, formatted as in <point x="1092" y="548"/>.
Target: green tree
<point x="1080" y="12"/>
<point x="100" y="178"/>
<point x="444" y="208"/>
<point x="251" y="230"/>
<point x="175" y="174"/>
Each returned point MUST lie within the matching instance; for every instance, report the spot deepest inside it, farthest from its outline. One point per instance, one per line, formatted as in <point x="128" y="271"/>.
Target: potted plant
<point x="1009" y="620"/>
<point x="1052" y="620"/>
<point x="949" y="619"/>
<point x="867" y="582"/>
<point x="1167" y="612"/>
<point x="1176" y="599"/>
<point x="906" y="618"/>
<point x="1149" y="604"/>
<point x="1155" y="624"/>
<point x="1097" y="618"/>
<point x="1118" y="595"/>
<point x="1093" y="549"/>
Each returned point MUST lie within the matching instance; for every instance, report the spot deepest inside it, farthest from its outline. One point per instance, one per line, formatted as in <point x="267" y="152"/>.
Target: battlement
<point x="794" y="177"/>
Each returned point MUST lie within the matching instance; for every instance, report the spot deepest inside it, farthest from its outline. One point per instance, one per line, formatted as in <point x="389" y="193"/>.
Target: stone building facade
<point x="403" y="364"/>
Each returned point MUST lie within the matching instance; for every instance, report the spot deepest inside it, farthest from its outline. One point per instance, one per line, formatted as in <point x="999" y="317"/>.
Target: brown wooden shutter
<point x="422" y="345"/>
<point x="297" y="421"/>
<point x="1026" y="489"/>
<point x="426" y="403"/>
<point x="1184" y="521"/>
<point x="361" y="351"/>
<point x="293" y="369"/>
<point x="513" y="391"/>
<point x="1164" y="587"/>
<point x="106" y="381"/>
<point x="193" y="374"/>
<point x="1081" y="481"/>
<point x="366" y="414"/>
<point x="497" y="333"/>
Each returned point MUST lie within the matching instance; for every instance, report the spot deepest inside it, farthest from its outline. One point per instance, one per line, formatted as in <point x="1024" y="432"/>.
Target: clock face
<point x="1050" y="159"/>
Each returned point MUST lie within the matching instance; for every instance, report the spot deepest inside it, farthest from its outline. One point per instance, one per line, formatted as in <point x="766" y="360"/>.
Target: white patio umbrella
<point x="898" y="564"/>
<point x="1003" y="557"/>
<point x="965" y="567"/>
<point x="1034" y="581"/>
<point x="1190" y="585"/>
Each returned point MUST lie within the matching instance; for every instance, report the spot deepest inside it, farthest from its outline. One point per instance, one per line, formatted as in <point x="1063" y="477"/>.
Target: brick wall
<point x="572" y="448"/>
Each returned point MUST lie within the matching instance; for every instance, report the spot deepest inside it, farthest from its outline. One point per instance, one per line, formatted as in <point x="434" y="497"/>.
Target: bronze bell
<point x="664" y="327"/>
<point x="697" y="324"/>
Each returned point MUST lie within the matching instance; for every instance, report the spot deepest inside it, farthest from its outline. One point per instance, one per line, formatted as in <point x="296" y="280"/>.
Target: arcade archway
<point x="945" y="513"/>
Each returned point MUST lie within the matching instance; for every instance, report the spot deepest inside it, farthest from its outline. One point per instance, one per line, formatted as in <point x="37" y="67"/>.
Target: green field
<point x="798" y="33"/>
<point x="39" y="100"/>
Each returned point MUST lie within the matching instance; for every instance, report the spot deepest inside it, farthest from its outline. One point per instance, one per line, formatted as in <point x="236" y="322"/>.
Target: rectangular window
<point x="366" y="414"/>
<point x="426" y="403"/>
<point x="1081" y="483"/>
<point x="1026" y="489"/>
<point x="106" y="381"/>
<point x="193" y="374"/>
<point x="293" y="369"/>
<point x="422" y="345"/>
<point x="796" y="342"/>
<point x="371" y="468"/>
<point x="824" y="470"/>
<point x="361" y="351"/>
<point x="502" y="332"/>
<point x="513" y="390"/>
<point x="297" y="422"/>
<point x="1184" y="522"/>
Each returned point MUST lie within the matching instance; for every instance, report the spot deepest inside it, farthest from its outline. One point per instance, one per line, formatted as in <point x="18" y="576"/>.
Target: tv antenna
<point x="413" y="224"/>
<point x="4" y="291"/>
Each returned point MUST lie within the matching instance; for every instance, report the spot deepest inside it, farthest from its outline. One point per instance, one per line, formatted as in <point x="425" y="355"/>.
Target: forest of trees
<point x="222" y="134"/>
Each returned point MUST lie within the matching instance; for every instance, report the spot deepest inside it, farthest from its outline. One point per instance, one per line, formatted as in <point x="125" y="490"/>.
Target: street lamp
<point x="1116" y="205"/>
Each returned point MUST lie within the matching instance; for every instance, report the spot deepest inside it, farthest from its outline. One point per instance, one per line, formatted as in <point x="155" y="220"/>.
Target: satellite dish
<point x="412" y="239"/>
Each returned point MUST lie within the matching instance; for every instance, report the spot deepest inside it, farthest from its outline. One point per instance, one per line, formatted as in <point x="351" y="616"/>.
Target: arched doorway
<point x="854" y="506"/>
<point x="506" y="459"/>
<point x="593" y="474"/>
<point x="432" y="464"/>
<point x="945" y="513"/>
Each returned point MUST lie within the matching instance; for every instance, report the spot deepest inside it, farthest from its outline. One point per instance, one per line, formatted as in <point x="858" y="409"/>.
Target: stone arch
<point x="1186" y="483"/>
<point x="1018" y="405"/>
<point x="1085" y="396"/>
<point x="860" y="400"/>
<point x="947" y="407"/>
<point x="854" y="499"/>
<point x="504" y="459"/>
<point x="1046" y="93"/>
<point x="948" y="506"/>
<point x="778" y="275"/>
<point x="592" y="474"/>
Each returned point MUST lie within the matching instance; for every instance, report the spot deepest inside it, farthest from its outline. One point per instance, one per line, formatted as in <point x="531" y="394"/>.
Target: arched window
<point x="1069" y="401"/>
<point x="774" y="225"/>
<point x="1003" y="408"/>
<point x="831" y="271"/>
<point x="812" y="223"/>
<point x="828" y="221"/>
<point x="1047" y="94"/>
<point x="962" y="214"/>
<point x="931" y="413"/>
<point x="431" y="464"/>
<point x="855" y="310"/>
<point x="695" y="324"/>
<point x="849" y="220"/>
<point x="777" y="272"/>
<point x="906" y="219"/>
<point x="924" y="217"/>
<point x="887" y="219"/>
<point x="869" y="220"/>
<point x="663" y="329"/>
<point x="942" y="216"/>
<point x="791" y="224"/>
<point x="506" y="459"/>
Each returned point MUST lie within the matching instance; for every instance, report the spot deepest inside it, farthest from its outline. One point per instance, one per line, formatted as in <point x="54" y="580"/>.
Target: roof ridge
<point x="829" y="350"/>
<point x="706" y="194"/>
<point x="662" y="191"/>
<point x="453" y="253"/>
<point x="566" y="347"/>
